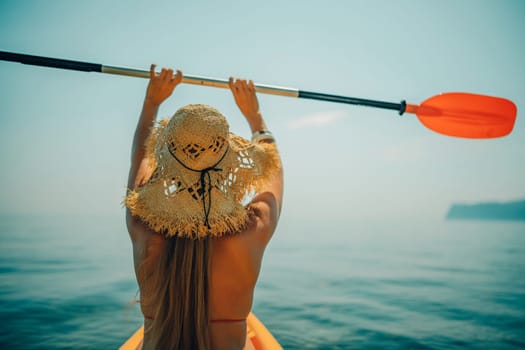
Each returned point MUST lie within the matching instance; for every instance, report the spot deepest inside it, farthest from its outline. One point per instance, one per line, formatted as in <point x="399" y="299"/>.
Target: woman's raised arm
<point x="267" y="203"/>
<point x="160" y="87"/>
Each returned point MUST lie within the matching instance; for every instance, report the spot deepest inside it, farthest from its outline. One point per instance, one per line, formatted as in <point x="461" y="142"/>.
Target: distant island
<point x="488" y="211"/>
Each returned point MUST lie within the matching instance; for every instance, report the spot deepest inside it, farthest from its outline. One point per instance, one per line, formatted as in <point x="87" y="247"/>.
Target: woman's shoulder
<point x="264" y="215"/>
<point x="139" y="231"/>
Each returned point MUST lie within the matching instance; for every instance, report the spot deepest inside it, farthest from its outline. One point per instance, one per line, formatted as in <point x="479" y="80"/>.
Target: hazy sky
<point x="65" y="136"/>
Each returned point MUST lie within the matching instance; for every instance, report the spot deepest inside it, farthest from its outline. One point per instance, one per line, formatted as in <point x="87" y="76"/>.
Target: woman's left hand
<point x="161" y="86"/>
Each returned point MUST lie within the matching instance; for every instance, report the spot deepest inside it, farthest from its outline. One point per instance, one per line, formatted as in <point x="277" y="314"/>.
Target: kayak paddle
<point x="457" y="114"/>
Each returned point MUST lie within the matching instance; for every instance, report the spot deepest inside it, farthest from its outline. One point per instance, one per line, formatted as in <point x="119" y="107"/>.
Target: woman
<point x="197" y="249"/>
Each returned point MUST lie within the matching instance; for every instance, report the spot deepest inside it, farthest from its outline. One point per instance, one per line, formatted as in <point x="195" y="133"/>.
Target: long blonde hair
<point x="179" y="293"/>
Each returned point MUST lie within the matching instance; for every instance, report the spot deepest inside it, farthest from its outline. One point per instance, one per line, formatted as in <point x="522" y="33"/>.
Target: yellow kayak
<point x="260" y="336"/>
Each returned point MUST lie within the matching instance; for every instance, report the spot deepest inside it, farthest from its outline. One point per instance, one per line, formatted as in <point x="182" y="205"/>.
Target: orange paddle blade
<point x="467" y="115"/>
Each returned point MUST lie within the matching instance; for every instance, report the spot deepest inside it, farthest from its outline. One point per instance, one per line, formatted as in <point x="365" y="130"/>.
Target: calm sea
<point x="67" y="282"/>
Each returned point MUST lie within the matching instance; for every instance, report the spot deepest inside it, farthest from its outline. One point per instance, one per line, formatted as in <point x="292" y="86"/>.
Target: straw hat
<point x="203" y="173"/>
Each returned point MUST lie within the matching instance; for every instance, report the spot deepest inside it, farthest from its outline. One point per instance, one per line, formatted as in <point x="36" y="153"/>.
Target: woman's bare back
<point x="234" y="269"/>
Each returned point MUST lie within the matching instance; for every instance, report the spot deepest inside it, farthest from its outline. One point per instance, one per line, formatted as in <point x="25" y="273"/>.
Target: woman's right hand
<point x="246" y="99"/>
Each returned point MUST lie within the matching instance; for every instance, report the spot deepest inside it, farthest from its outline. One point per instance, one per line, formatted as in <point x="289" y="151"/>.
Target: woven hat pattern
<point x="202" y="175"/>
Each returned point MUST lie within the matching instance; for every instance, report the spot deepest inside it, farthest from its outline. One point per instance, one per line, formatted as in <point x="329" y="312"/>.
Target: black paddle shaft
<point x="50" y="62"/>
<point x="400" y="107"/>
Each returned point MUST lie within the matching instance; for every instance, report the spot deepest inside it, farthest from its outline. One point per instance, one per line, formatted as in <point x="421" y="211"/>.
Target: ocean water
<point x="66" y="282"/>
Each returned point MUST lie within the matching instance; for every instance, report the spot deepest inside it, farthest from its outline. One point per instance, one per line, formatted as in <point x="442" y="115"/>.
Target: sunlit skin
<point x="235" y="259"/>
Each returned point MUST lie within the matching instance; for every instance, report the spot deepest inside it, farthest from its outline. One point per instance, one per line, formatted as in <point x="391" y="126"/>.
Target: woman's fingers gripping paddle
<point x="161" y="85"/>
<point x="245" y="97"/>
